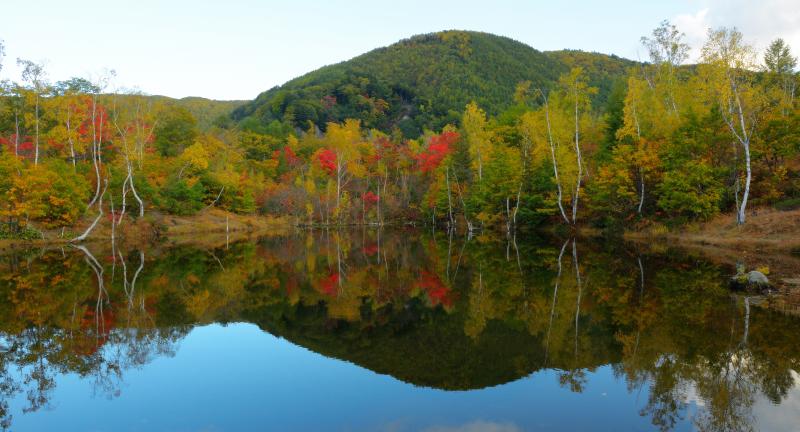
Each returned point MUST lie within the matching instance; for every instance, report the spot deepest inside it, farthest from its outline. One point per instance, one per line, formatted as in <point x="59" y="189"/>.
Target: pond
<point x="388" y="330"/>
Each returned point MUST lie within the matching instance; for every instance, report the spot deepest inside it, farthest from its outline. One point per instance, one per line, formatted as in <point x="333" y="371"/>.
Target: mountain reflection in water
<point x="433" y="310"/>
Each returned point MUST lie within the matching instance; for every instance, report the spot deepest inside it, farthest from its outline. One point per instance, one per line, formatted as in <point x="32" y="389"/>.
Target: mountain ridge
<point x="423" y="82"/>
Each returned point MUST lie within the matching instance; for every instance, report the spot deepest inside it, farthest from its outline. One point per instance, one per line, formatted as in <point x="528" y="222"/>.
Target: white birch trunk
<point x="86" y="233"/>
<point x="555" y="162"/>
<point x="580" y="164"/>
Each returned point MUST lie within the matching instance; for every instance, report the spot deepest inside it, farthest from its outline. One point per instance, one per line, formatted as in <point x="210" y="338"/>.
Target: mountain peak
<point x="422" y="82"/>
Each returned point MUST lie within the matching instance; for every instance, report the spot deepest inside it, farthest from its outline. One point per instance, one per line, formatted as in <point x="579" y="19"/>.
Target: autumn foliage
<point x="439" y="147"/>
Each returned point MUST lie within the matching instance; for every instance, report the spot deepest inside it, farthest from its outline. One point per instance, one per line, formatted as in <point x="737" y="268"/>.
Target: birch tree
<point x="576" y="93"/>
<point x="728" y="65"/>
<point x="134" y="125"/>
<point x="473" y="122"/>
<point x="34" y="75"/>
<point x="12" y="104"/>
<point x="98" y="124"/>
<point x="67" y="111"/>
<point x="537" y="127"/>
<point x="640" y="119"/>
<point x="667" y="52"/>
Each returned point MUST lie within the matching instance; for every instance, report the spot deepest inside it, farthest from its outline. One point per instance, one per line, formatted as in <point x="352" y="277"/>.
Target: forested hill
<point x="206" y="112"/>
<point x="424" y="82"/>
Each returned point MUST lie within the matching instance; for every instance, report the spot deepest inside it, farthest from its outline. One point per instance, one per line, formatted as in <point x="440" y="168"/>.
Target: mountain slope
<point x="421" y="82"/>
<point x="205" y="111"/>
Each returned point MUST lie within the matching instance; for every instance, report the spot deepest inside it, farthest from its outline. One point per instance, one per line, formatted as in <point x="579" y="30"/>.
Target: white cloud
<point x="782" y="417"/>
<point x="477" y="426"/>
<point x="695" y="26"/>
<point x="759" y="21"/>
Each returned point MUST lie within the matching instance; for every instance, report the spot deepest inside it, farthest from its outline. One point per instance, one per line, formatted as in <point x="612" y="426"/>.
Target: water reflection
<point x="431" y="309"/>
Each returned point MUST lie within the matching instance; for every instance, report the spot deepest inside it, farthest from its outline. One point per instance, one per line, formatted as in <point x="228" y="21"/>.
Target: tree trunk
<point x="378" y="207"/>
<point x="743" y="206"/>
<point x="580" y="165"/>
<point x="36" y="157"/>
<point x="69" y="138"/>
<point x="133" y="189"/>
<point x="449" y="199"/>
<point x="86" y="233"/>
<point x="744" y="140"/>
<point x="338" y="182"/>
<point x="16" y="136"/>
<point x="580" y="291"/>
<point x="113" y="225"/>
<point x="641" y="198"/>
<point x="480" y="166"/>
<point x="508" y="216"/>
<point x="516" y="209"/>
<point x="124" y="200"/>
<point x="555" y="163"/>
<point x="553" y="306"/>
<point x="463" y="204"/>
<point x="94" y="152"/>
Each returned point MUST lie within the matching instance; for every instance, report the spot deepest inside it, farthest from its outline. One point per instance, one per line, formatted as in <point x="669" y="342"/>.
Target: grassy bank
<point x="156" y="226"/>
<point x="766" y="230"/>
<point x="770" y="239"/>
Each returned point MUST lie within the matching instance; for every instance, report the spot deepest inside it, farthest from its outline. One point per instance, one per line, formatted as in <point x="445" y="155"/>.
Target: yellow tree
<point x="538" y="137"/>
<point x="479" y="139"/>
<point x="641" y="115"/>
<point x="66" y="110"/>
<point x="340" y="158"/>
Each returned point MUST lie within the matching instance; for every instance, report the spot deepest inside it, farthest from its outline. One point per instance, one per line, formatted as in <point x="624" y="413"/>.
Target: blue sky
<point x="235" y="49"/>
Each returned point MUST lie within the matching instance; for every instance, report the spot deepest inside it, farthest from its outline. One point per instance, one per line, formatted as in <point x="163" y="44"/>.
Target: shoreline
<point x="766" y="231"/>
<point x="157" y="227"/>
<point x="769" y="239"/>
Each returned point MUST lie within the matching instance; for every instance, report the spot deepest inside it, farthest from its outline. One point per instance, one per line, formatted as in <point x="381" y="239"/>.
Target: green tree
<point x="690" y="190"/>
<point x="176" y="130"/>
<point x="780" y="65"/>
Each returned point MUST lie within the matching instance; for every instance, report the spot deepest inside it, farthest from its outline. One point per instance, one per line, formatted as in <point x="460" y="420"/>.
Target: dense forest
<point x="424" y="82"/>
<point x="453" y="128"/>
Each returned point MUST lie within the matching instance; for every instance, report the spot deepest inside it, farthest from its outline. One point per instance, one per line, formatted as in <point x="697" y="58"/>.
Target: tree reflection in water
<point x="433" y="309"/>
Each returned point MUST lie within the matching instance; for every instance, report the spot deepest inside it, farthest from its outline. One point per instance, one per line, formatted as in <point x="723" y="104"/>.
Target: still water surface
<point x="388" y="331"/>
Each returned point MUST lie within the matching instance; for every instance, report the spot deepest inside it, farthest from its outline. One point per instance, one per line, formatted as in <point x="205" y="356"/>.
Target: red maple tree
<point x="439" y="147"/>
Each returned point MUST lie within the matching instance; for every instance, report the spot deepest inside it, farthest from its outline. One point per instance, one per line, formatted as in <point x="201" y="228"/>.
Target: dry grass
<point x="216" y="220"/>
<point x="766" y="230"/>
<point x="211" y="223"/>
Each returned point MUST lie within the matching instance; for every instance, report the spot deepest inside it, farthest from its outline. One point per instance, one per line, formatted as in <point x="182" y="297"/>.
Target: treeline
<point x="674" y="142"/>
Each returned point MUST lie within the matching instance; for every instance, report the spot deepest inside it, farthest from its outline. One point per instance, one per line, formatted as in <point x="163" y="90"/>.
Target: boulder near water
<point x="756" y="278"/>
<point x="751" y="279"/>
